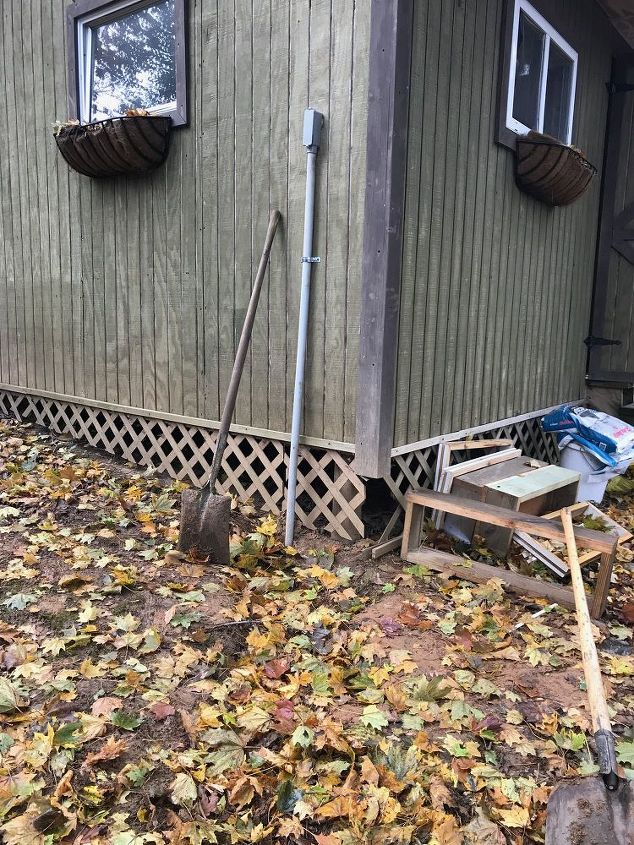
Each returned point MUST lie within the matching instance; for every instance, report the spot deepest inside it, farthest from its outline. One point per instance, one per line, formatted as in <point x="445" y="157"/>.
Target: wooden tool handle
<point x="241" y="354"/>
<point x="591" y="667"/>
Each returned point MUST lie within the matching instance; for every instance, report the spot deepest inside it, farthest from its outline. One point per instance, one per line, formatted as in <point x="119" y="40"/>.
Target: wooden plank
<point x="535" y="482"/>
<point x="260" y="155"/>
<point x="298" y="97"/>
<point x="244" y="175"/>
<point x="190" y="286"/>
<point x="42" y="347"/>
<point x="210" y="211"/>
<point x="385" y="548"/>
<point x="358" y="167"/>
<point x="480" y="573"/>
<point x="279" y="158"/>
<point x="338" y="233"/>
<point x="320" y="30"/>
<point x="226" y="193"/>
<point x="408" y="380"/>
<point x="493" y="515"/>
<point x="390" y="47"/>
<point x="122" y="233"/>
<point x="475" y="464"/>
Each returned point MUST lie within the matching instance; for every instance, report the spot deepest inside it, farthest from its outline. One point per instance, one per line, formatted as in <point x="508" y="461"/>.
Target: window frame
<point x="509" y="128"/>
<point x="82" y="16"/>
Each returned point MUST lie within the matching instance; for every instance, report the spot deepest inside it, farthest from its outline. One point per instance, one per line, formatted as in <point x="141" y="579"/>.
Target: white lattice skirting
<point x="330" y="494"/>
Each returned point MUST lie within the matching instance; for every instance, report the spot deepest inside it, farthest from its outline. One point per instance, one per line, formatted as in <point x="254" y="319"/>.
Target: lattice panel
<point x="417" y="469"/>
<point x="330" y="495"/>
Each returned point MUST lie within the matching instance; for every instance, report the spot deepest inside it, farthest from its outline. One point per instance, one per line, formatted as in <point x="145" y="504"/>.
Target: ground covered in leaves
<point x="309" y="697"/>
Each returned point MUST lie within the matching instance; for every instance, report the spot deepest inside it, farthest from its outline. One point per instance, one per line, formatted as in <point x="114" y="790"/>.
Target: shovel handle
<point x="591" y="669"/>
<point x="241" y="354"/>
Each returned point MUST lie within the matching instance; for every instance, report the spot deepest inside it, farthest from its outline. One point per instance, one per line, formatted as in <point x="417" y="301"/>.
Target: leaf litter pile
<point x="302" y="697"/>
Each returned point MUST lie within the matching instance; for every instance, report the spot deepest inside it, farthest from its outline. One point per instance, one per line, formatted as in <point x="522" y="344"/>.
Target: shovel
<point x="592" y="810"/>
<point x="204" y="531"/>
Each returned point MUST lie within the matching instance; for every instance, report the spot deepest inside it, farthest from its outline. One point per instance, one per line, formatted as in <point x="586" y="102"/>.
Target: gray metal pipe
<point x="313" y="122"/>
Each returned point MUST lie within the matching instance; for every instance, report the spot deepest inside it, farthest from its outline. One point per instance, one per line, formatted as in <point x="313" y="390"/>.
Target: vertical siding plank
<point x="279" y="148"/>
<point x="44" y="351"/>
<point x="298" y="101"/>
<point x="337" y="236"/>
<point x="11" y="370"/>
<point x="319" y="83"/>
<point x="123" y="234"/>
<point x="244" y="182"/>
<point x="434" y="115"/>
<point x="226" y="192"/>
<point x="172" y="199"/>
<point x="210" y="195"/>
<point x="260" y="202"/>
<point x="160" y="212"/>
<point x="358" y="127"/>
<point x="23" y="275"/>
<point x="409" y="320"/>
<point x="189" y="311"/>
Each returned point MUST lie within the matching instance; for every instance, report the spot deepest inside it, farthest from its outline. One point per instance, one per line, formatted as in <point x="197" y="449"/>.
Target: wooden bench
<point x="536" y="526"/>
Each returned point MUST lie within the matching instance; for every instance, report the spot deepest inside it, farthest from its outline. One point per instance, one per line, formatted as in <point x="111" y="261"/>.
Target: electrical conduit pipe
<point x="313" y="123"/>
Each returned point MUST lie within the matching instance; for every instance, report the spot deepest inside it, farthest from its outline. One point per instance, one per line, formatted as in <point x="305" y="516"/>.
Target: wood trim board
<point x="388" y="105"/>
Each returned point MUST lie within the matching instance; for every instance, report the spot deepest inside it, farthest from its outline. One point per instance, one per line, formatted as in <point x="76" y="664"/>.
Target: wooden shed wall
<point x="133" y="292"/>
<point x="496" y="287"/>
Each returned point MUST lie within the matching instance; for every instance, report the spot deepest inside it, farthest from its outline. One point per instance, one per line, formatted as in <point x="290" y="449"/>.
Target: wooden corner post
<point x="388" y="104"/>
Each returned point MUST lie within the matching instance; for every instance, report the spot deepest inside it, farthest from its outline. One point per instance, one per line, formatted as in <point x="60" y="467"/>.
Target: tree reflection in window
<point x="134" y="62"/>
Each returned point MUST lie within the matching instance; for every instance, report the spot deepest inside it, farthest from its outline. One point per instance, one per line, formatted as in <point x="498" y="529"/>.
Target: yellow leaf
<point x="379" y="674"/>
<point x="268" y="527"/>
<point x="446" y="832"/>
<point x="515" y="817"/>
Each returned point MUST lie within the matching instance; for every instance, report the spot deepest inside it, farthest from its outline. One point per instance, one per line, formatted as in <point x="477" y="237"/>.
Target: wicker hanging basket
<point x="550" y="171"/>
<point x="119" y="146"/>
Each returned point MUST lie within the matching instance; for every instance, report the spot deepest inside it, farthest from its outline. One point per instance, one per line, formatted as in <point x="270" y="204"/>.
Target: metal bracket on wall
<point x="307" y="260"/>
<point x="600" y="341"/>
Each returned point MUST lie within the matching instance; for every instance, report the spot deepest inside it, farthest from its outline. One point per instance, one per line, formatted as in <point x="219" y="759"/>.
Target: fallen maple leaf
<point x="105" y="706"/>
<point x="161" y="710"/>
<point x="110" y="750"/>
<point x="274" y="669"/>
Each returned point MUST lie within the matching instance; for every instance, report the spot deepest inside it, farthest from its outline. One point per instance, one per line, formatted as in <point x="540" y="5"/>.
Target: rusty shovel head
<point x="585" y="812"/>
<point x="204" y="532"/>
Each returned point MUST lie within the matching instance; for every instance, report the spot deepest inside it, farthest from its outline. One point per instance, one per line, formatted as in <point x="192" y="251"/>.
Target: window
<point x="126" y="54"/>
<point x="540" y="74"/>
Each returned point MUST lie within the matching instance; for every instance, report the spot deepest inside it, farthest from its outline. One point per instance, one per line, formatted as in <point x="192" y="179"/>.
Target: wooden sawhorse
<point x="417" y="500"/>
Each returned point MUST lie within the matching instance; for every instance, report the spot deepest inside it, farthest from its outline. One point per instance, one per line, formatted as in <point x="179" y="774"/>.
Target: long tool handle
<point x="241" y="354"/>
<point x="591" y="668"/>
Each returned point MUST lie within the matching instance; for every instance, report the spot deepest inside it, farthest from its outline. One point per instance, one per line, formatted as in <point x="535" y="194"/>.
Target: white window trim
<point x="85" y="26"/>
<point x="550" y="34"/>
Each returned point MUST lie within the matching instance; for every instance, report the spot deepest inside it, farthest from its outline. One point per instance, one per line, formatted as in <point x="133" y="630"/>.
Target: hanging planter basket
<point x="119" y="146"/>
<point x="550" y="171"/>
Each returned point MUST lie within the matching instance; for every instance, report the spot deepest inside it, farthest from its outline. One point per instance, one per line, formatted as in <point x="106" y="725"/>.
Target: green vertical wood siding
<point x="134" y="291"/>
<point x="619" y="314"/>
<point x="496" y="287"/>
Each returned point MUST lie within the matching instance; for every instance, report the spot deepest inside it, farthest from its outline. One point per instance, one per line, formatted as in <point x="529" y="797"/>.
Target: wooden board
<point x="535" y="482"/>
<point x="534" y="525"/>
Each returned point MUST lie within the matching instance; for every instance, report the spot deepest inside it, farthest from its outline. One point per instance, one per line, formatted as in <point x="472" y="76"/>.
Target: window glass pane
<point x="558" y="92"/>
<point x="528" y="72"/>
<point x="134" y="61"/>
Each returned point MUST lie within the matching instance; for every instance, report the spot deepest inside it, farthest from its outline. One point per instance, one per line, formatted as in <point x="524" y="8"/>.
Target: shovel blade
<point x="204" y="532"/>
<point x="584" y="812"/>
